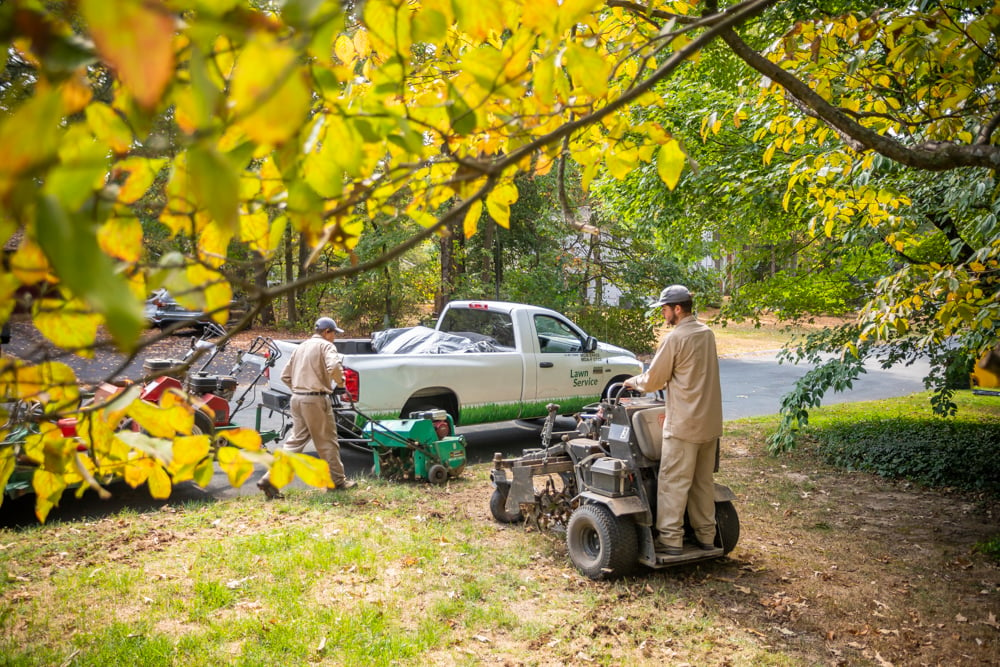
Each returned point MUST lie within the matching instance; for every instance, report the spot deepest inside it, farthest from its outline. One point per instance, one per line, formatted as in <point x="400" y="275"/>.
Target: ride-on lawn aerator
<point x="602" y="485"/>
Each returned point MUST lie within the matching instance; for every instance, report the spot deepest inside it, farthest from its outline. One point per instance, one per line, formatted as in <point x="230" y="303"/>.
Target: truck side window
<point x="555" y="337"/>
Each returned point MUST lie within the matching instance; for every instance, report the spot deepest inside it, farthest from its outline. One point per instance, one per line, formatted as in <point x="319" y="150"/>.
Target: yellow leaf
<point x="109" y="127"/>
<point x="269" y="91"/>
<point x="136" y="39"/>
<point x="237" y="468"/>
<point x="344" y="50"/>
<point x="498" y="203"/>
<point x="471" y="221"/>
<point x="254" y="228"/>
<point x="244" y="438"/>
<point x="588" y="68"/>
<point x="141" y="174"/>
<point x="388" y="24"/>
<point x="68" y="324"/>
<point x="121" y="238"/>
<point x="48" y="489"/>
<point x="670" y="163"/>
<point x="6" y="467"/>
<point x="29" y="263"/>
<point x="188" y="451"/>
<point x="137" y="471"/>
<point x="204" y="473"/>
<point x="281" y="469"/>
<point x="159" y="482"/>
<point x="213" y="244"/>
<point x="161" y="422"/>
<point x="311" y="470"/>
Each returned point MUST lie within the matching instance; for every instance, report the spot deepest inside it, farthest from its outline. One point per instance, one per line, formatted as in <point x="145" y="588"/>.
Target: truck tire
<point x="600" y="544"/>
<point x="727" y="526"/>
<point x="498" y="505"/>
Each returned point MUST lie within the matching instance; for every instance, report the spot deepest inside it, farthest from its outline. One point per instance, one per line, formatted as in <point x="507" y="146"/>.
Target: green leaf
<point x="462" y="117"/>
<point x="71" y="245"/>
<point x="82" y="165"/>
<point x="216" y="185"/>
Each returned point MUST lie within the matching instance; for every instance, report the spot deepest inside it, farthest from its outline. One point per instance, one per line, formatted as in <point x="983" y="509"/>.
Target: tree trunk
<point x="290" y="297"/>
<point x="260" y="280"/>
<point x="452" y="267"/>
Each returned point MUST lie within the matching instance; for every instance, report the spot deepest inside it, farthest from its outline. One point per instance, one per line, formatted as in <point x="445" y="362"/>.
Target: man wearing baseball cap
<point x="312" y="372"/>
<point x="686" y="366"/>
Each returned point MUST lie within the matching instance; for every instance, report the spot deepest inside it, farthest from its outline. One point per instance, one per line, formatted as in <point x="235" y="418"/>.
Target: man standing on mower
<point x="311" y="373"/>
<point x="686" y="366"/>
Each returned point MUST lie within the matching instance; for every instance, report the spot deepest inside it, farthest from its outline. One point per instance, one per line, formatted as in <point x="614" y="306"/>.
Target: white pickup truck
<point x="485" y="361"/>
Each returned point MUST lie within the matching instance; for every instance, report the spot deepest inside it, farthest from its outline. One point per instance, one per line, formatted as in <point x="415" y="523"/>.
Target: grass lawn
<point x="834" y="566"/>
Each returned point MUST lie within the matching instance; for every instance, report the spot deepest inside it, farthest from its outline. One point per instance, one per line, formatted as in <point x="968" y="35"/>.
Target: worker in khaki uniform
<point x="311" y="373"/>
<point x="687" y="366"/>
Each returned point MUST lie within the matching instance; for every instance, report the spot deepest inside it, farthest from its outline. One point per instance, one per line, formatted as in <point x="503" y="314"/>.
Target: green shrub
<point x="932" y="452"/>
<point x="624" y="327"/>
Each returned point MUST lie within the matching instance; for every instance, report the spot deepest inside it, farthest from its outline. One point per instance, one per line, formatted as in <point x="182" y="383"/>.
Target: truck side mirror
<point x="590" y="345"/>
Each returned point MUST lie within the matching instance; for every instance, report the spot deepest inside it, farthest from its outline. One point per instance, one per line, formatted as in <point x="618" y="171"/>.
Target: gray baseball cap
<point x="673" y="294"/>
<point x="327" y="324"/>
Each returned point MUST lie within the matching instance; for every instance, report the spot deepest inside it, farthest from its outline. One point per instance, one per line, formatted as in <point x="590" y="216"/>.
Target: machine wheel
<point x="600" y="544"/>
<point x="727" y="526"/>
<point x="202" y="424"/>
<point x="498" y="505"/>
<point x="437" y="474"/>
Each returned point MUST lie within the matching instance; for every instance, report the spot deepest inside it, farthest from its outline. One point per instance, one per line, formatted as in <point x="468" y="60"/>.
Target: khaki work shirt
<point x="687" y="367"/>
<point x="315" y="366"/>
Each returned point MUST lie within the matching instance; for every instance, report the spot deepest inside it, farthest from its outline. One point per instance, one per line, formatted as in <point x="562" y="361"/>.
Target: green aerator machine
<point x="424" y="446"/>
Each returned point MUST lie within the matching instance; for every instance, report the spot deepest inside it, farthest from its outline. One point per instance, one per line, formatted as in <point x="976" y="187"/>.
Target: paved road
<point x="753" y="385"/>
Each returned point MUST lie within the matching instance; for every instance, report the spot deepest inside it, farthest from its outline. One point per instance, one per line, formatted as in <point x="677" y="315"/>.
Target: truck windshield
<point x="490" y="323"/>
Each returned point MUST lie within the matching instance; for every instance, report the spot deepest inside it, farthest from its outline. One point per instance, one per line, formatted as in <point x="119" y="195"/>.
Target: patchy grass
<point x="833" y="567"/>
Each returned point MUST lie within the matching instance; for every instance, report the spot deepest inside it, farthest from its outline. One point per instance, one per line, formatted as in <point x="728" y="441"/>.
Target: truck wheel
<point x="437" y="474"/>
<point x="600" y="544"/>
<point x="498" y="505"/>
<point x="727" y="526"/>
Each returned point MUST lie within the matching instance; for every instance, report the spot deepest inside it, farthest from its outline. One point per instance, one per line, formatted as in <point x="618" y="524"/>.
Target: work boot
<point x="664" y="550"/>
<point x="271" y="492"/>
<point x="343" y="486"/>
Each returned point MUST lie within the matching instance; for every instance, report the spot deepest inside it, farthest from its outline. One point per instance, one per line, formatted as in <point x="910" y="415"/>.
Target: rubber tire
<point x="600" y="544"/>
<point x="437" y="474"/>
<point x="727" y="526"/>
<point x="202" y="424"/>
<point x="498" y="505"/>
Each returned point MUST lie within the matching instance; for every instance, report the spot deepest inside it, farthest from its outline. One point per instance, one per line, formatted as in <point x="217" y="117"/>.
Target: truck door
<point x="565" y="374"/>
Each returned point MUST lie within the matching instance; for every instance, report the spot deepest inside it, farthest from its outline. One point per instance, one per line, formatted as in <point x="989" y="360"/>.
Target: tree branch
<point x="929" y="156"/>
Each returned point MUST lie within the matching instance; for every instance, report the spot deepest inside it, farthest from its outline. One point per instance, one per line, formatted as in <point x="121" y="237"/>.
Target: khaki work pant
<point x="685" y="482"/>
<point x="312" y="419"/>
